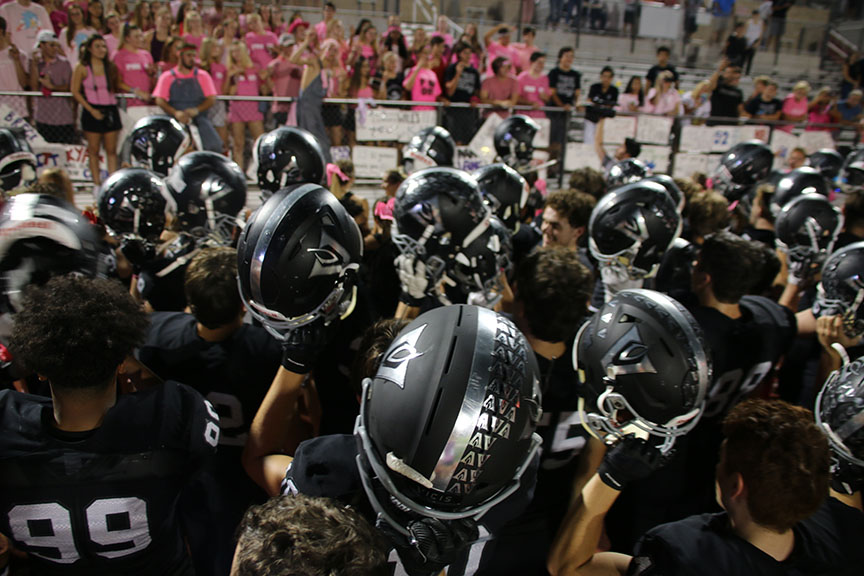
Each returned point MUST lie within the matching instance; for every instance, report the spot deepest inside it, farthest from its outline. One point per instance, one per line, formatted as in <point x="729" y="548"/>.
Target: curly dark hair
<point x="211" y="287"/>
<point x="783" y="457"/>
<point x="573" y="205"/>
<point x="553" y="287"/>
<point x="733" y="264"/>
<point x="589" y="181"/>
<point x="76" y="331"/>
<point x="374" y="343"/>
<point x="304" y="536"/>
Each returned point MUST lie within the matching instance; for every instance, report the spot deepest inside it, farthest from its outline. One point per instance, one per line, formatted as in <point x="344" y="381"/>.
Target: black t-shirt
<point x="468" y="85"/>
<point x="651" y="76"/>
<point x="725" y="100"/>
<point x="759" y="107"/>
<point x="565" y="83"/>
<point x="601" y="99"/>
<point x="103" y="501"/>
<point x="735" y="48"/>
<point x="782" y="12"/>
<point x="829" y="542"/>
<point x="394" y="86"/>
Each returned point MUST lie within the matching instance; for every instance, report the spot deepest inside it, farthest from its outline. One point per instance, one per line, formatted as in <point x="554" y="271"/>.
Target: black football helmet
<point x="631" y="228"/>
<point x="446" y="426"/>
<point x="156" y="143"/>
<point x="17" y="161"/>
<point x="827" y="161"/>
<point x="625" y="172"/>
<point x="645" y="368"/>
<point x="676" y="268"/>
<point x="286" y="156"/>
<point x="478" y="266"/>
<point x="671" y="187"/>
<point x="432" y="146"/>
<point x="209" y="190"/>
<point x="298" y="258"/>
<point x="741" y="168"/>
<point x="808" y="225"/>
<point x="505" y="191"/>
<point x="134" y="202"/>
<point x="852" y="173"/>
<point x="798" y="182"/>
<point x="438" y="212"/>
<point x="41" y="237"/>
<point x="841" y="290"/>
<point x="514" y="140"/>
<point x="840" y="411"/>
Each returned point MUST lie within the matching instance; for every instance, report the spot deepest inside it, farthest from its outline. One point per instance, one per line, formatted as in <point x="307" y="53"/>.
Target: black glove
<point x="138" y="251"/>
<point x="434" y="544"/>
<point x="630" y="459"/>
<point x="303" y="346"/>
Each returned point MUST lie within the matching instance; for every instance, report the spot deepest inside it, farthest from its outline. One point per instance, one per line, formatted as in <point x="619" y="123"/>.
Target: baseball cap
<point x="45" y="36"/>
<point x="287" y="39"/>
<point x="297" y="23"/>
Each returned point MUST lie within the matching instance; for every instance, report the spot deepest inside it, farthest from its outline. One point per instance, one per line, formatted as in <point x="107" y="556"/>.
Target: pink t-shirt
<point x="218" y="72"/>
<point x="819" y="117"/>
<point x="112" y="43"/>
<point x="163" y="86"/>
<point x="535" y="90"/>
<point x="426" y="87"/>
<point x="321" y="30"/>
<point x="23" y="24"/>
<point x="524" y="52"/>
<point x="495" y="50"/>
<point x="259" y="47"/>
<point x="248" y="83"/>
<point x="365" y="92"/>
<point x="286" y="81"/>
<point x="499" y="89"/>
<point x="665" y="103"/>
<point x="791" y="107"/>
<point x="133" y="68"/>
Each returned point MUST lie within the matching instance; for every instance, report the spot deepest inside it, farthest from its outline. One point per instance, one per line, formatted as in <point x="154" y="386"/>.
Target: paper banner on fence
<point x="467" y="160"/>
<point x="78" y="164"/>
<point x="541" y="139"/>
<point x="782" y="142"/>
<point x="616" y="130"/>
<point x="656" y="158"/>
<point x="392" y="124"/>
<point x="696" y="139"/>
<point x="654" y="129"/>
<point x="724" y="137"/>
<point x="687" y="164"/>
<point x="12" y="119"/>
<point x="581" y="155"/>
<point x="483" y="142"/>
<point x="373" y="161"/>
<point x="816" y="140"/>
<point x="759" y="132"/>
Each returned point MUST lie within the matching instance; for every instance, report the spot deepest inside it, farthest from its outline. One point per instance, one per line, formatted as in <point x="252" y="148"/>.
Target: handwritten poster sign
<point x="687" y="164"/>
<point x="696" y="139"/>
<point x="391" y="124"/>
<point x="372" y="161"/>
<point x="654" y="129"/>
<point x="656" y="158"/>
<point x="815" y="140"/>
<point x="616" y="130"/>
<point x="581" y="155"/>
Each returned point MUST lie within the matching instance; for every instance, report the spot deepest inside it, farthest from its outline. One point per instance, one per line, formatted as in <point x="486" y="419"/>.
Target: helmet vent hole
<point x="433" y="412"/>
<point x="450" y="354"/>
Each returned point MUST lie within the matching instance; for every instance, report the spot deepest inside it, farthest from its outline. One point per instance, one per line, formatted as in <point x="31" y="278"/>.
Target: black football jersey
<point x="102" y="501"/>
<point x="829" y="542"/>
<point x="327" y="466"/>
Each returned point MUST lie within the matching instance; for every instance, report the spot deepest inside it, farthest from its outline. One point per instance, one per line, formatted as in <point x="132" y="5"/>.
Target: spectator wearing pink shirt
<point x="501" y="48"/>
<point x="334" y="81"/>
<point x="365" y="45"/>
<point x="137" y="75"/>
<point x="442" y="28"/>
<point x="321" y="27"/>
<point x="194" y="29"/>
<point x="244" y="78"/>
<point x="112" y="39"/>
<point x="819" y="110"/>
<point x="285" y="76"/>
<point x="422" y="82"/>
<point x="534" y="85"/>
<point x="24" y="19"/>
<point x="501" y="89"/>
<point x="663" y="98"/>
<point x="260" y="42"/>
<point x="358" y="87"/>
<point x="526" y="48"/>
<point x="796" y="105"/>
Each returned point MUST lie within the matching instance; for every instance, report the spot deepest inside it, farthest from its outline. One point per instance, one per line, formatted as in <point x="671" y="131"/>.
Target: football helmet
<point x="438" y="212"/>
<point x="645" y="368"/>
<point x="807" y="227"/>
<point x="478" y="266"/>
<point x="841" y="290"/>
<point x="505" y="191"/>
<point x="514" y="140"/>
<point x="853" y="169"/>
<point x="17" y="161"/>
<point x="134" y="202"/>
<point x="741" y="167"/>
<point x="796" y="183"/>
<point x="827" y="161"/>
<point x="156" y="143"/>
<point x="671" y="187"/>
<point x="286" y="156"/>
<point x="447" y="425"/>
<point x="209" y="190"/>
<point x="631" y="228"/>
<point x="625" y="172"/>
<point x="433" y="146"/>
<point x="41" y="237"/>
<point x="298" y="258"/>
<point x="840" y="412"/>
<point x="676" y="268"/>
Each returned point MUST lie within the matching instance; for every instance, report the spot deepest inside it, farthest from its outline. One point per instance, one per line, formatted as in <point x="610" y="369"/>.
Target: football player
<point x="90" y="479"/>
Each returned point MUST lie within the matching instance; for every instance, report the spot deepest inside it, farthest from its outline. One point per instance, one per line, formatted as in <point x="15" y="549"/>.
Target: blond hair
<point x="245" y="61"/>
<point x="802" y="85"/>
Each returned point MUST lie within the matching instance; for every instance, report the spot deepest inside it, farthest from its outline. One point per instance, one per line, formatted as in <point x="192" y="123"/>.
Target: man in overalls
<point x="185" y="93"/>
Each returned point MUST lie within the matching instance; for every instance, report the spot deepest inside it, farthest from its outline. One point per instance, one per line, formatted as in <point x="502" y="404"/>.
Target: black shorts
<point x="110" y="122"/>
<point x="350" y="122"/>
<point x="332" y="114"/>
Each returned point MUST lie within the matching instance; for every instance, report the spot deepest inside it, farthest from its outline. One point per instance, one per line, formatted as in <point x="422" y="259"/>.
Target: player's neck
<point x="218" y="334"/>
<point x="548" y="350"/>
<point x="851" y="500"/>
<point x="81" y="411"/>
<point x="856" y="230"/>
<point x="778" y="545"/>
<point x="707" y="299"/>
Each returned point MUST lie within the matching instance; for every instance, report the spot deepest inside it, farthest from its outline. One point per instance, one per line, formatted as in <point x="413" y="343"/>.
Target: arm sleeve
<point x="46" y="19"/>
<point x="651" y="558"/>
<point x="191" y="422"/>
<point x="752" y="106"/>
<point x="163" y="86"/>
<point x="206" y="82"/>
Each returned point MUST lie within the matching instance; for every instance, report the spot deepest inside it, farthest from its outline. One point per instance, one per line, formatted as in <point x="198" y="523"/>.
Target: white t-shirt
<point x="24" y="23"/>
<point x="9" y="81"/>
<point x="754" y="31"/>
